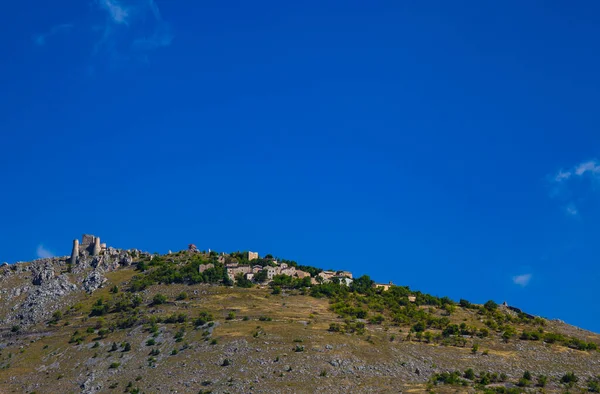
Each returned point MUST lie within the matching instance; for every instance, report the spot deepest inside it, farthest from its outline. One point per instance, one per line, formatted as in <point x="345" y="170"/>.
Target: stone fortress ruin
<point x="90" y="245"/>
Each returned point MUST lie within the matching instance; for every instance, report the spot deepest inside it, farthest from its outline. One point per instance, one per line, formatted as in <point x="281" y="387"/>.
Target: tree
<point x="490" y="306"/>
<point x="242" y="281"/>
<point x="362" y="285"/>
<point x="260" y="276"/>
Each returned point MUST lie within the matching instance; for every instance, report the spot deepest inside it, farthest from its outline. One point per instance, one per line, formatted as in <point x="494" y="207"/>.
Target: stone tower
<point x="75" y="252"/>
<point x="96" y="249"/>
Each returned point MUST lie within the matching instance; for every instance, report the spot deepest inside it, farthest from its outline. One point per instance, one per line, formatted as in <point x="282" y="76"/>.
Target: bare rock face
<point x="93" y="281"/>
<point x="47" y="296"/>
<point x="53" y="280"/>
<point x="42" y="271"/>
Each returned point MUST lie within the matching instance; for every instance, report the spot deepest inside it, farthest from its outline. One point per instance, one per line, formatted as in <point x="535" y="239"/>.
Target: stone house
<point x="345" y="281"/>
<point x="326" y="275"/>
<point x="233" y="272"/>
<point x="290" y="271"/>
<point x="271" y="272"/>
<point x="252" y="256"/>
<point x="249" y="276"/>
<point x="256" y="269"/>
<point x="282" y="265"/>
<point x="346" y="274"/>
<point x="412" y="298"/>
<point x="383" y="286"/>
<point x="302" y="274"/>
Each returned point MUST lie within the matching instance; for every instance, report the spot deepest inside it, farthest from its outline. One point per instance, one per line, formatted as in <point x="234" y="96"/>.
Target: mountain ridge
<point x="112" y="316"/>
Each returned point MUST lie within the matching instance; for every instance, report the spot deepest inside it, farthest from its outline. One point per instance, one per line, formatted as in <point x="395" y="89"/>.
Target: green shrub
<point x="542" y="380"/>
<point x="469" y="374"/>
<point x="159" y="299"/>
<point x="569" y="378"/>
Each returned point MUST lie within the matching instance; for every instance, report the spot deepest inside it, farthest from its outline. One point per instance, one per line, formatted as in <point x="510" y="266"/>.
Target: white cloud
<point x="131" y="31"/>
<point x="575" y="183"/>
<point x="571" y="209"/>
<point x="591" y="166"/>
<point x="562" y="176"/>
<point x="117" y="13"/>
<point x="43" y="253"/>
<point x="522" y="280"/>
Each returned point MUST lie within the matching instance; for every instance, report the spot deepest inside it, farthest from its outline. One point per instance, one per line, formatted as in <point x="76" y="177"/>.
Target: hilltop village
<point x="270" y="267"/>
<point x="240" y="266"/>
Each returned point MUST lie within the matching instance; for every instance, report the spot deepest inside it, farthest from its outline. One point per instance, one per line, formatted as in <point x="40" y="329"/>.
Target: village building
<point x="302" y="274"/>
<point x="383" y="286"/>
<point x="249" y="276"/>
<point x="346" y="274"/>
<point x="271" y="272"/>
<point x="252" y="256"/>
<point x="326" y="276"/>
<point x="233" y="272"/>
<point x="412" y="298"/>
<point x="290" y="271"/>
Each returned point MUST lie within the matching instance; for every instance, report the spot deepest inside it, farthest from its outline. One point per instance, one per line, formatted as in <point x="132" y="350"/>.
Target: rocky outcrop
<point x="53" y="280"/>
<point x="42" y="271"/>
<point x="93" y="281"/>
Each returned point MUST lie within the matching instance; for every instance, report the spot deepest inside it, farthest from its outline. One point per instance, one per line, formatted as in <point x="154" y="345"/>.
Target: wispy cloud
<point x="116" y="32"/>
<point x="574" y="184"/>
<point x="589" y="167"/>
<point x="117" y="12"/>
<point x="41" y="39"/>
<point x="137" y="27"/>
<point x="522" y="280"/>
<point x="43" y="253"/>
<point x="586" y="168"/>
<point x="571" y="209"/>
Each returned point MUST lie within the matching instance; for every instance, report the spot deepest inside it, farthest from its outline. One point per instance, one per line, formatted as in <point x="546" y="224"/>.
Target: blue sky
<point x="450" y="146"/>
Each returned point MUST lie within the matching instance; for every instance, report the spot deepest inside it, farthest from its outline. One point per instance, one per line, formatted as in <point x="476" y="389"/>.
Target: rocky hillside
<point x="128" y="321"/>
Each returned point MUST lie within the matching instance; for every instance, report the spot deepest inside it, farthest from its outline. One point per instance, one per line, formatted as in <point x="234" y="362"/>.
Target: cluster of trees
<point x="552" y="337"/>
<point x="486" y="378"/>
<point x="159" y="270"/>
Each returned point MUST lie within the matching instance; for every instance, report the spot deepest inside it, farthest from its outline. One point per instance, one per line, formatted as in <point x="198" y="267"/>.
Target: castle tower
<point x="96" y="249"/>
<point x="75" y="252"/>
